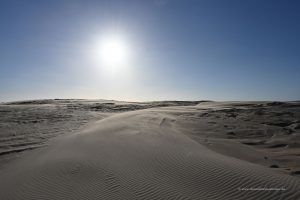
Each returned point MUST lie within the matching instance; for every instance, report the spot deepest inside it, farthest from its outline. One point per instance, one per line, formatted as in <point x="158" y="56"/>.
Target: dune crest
<point x="139" y="155"/>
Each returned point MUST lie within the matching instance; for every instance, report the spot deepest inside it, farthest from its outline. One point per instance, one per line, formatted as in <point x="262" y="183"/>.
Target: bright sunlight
<point x="113" y="51"/>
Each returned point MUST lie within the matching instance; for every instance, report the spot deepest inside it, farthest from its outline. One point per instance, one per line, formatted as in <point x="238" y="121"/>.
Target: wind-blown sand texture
<point x="200" y="150"/>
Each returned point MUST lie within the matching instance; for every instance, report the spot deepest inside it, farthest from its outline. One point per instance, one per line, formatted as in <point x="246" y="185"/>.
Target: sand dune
<point x="159" y="153"/>
<point x="26" y="125"/>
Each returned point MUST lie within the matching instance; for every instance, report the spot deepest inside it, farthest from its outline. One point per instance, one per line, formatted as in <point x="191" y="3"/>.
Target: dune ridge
<point x="139" y="155"/>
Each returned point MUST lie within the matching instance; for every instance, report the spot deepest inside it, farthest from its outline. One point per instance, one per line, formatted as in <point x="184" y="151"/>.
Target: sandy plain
<point x="104" y="149"/>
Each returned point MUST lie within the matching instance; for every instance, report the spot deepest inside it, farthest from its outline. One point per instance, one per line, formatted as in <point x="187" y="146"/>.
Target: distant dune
<point x="151" y="150"/>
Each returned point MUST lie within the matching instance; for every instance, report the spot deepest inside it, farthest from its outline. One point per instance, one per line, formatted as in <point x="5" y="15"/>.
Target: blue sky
<point x="181" y="49"/>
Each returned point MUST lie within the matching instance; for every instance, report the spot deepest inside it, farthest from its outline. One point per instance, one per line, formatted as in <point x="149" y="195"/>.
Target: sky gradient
<point x="180" y="49"/>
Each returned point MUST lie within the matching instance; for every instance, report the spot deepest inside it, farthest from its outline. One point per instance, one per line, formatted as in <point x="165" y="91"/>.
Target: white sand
<point x="146" y="154"/>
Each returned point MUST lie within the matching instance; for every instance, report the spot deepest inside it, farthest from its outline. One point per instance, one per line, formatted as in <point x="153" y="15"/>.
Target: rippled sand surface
<point x="152" y="150"/>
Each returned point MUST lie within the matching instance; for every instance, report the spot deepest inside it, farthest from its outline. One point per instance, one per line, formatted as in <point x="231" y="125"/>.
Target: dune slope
<point x="138" y="155"/>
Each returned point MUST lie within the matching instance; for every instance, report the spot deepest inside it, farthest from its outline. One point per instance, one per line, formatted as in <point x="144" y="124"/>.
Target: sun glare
<point x="113" y="51"/>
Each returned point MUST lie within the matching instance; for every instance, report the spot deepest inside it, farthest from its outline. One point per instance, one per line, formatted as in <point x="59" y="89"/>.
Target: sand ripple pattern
<point x="138" y="155"/>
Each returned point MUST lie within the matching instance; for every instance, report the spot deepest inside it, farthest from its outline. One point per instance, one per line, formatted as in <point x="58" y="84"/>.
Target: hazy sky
<point x="183" y="50"/>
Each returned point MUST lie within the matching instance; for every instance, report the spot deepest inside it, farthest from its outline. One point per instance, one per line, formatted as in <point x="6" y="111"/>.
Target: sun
<point x="114" y="51"/>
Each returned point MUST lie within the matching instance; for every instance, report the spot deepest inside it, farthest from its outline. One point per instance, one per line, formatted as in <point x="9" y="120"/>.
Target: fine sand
<point x="152" y="150"/>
